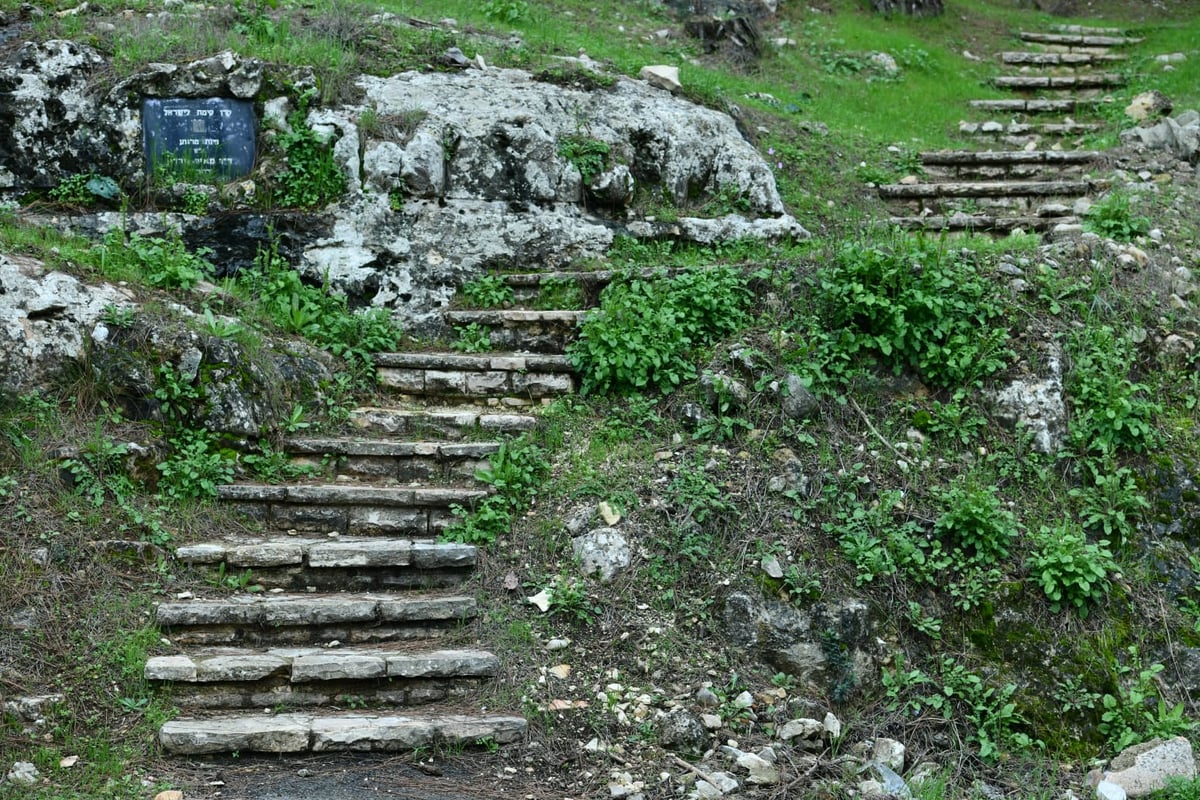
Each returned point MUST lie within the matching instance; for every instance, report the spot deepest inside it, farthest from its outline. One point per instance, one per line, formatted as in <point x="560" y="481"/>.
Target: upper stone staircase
<point x="1034" y="182"/>
<point x="344" y="645"/>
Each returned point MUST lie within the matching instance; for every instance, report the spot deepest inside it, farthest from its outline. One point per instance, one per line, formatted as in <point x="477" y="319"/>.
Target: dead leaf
<point x="510" y="582"/>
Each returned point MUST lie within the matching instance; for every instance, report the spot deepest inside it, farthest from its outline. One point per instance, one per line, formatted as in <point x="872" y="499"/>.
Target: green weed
<point x="1071" y="571"/>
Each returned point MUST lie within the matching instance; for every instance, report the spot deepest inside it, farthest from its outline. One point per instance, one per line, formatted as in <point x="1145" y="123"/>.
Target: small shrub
<point x="473" y="338"/>
<point x="506" y="11"/>
<point x="1136" y="712"/>
<point x="1110" y="411"/>
<point x="85" y="190"/>
<point x="164" y="263"/>
<point x="1070" y="570"/>
<point x="1111" y="505"/>
<point x="195" y="469"/>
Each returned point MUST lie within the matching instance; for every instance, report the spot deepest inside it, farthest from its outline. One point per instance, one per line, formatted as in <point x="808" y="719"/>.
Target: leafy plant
<point x="488" y="291"/>
<point x="914" y="305"/>
<point x="515" y="471"/>
<point x="163" y="263"/>
<point x="85" y="189"/>
<point x="1113" y="217"/>
<point x="644" y="329"/>
<point x="472" y="338"/>
<point x="589" y="156"/>
<point x="1136" y="712"/>
<point x="195" y="468"/>
<point x="1112" y="504"/>
<point x="506" y="11"/>
<point x="1111" y="412"/>
<point x="569" y="598"/>
<point x="974" y="527"/>
<point x="1071" y="570"/>
<point x="312" y="178"/>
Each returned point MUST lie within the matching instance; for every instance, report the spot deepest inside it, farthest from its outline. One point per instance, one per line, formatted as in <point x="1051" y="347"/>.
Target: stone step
<point x="1014" y="129"/>
<point x="979" y="222"/>
<point x="345" y="562"/>
<point x="1087" y="30"/>
<point x="1003" y="157"/>
<point x="314" y="676"/>
<point x="900" y="191"/>
<point x="514" y="378"/>
<point x="1078" y="39"/>
<point x="1100" y="80"/>
<point x="298" y="733"/>
<point x="448" y="423"/>
<point x="351" y="508"/>
<point x="1025" y="58"/>
<point x="311" y="618"/>
<point x="522" y="329"/>
<point x="1063" y="106"/>
<point x="390" y="458"/>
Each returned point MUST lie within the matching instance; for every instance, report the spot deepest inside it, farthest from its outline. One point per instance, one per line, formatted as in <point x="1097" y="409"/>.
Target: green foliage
<point x="641" y="336"/>
<point x="195" y="468"/>
<point x="1071" y="570"/>
<point x="957" y="692"/>
<point x="515" y="472"/>
<point x="913" y="304"/>
<point x="85" y="190"/>
<point x="1111" y="412"/>
<point x="1112" y="504"/>
<point x="473" y="338"/>
<point x="162" y="263"/>
<point x="569" y="598"/>
<point x="558" y="294"/>
<point x="312" y="178"/>
<point x="312" y="312"/>
<point x="488" y="291"/>
<point x="275" y="466"/>
<point x="1113" y="217"/>
<point x="506" y="11"/>
<point x="588" y="155"/>
<point x="1136" y="712"/>
<point x="974" y="527"/>
<point x="1178" y="788"/>
<point x="98" y="471"/>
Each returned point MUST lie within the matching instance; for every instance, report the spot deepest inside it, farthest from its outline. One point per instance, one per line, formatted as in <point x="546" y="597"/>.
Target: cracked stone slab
<point x="281" y="733"/>
<point x="333" y="665"/>
<point x="443" y="664"/>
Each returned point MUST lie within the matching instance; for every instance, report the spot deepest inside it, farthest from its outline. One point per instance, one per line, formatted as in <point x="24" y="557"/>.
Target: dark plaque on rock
<point x="205" y="137"/>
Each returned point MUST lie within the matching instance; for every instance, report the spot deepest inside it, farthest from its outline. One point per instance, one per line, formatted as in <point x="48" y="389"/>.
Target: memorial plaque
<point x="212" y="136"/>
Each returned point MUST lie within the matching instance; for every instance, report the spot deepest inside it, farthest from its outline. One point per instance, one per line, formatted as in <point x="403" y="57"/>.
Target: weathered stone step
<point x="1100" y="80"/>
<point x="298" y="733"/>
<point x="523" y="329"/>
<point x="294" y="677"/>
<point x="1078" y="39"/>
<point x="346" y="563"/>
<point x="900" y="191"/>
<point x="979" y="222"/>
<point x="350" y="508"/>
<point x="1063" y="106"/>
<point x="1087" y="30"/>
<point x="311" y="618"/>
<point x="389" y="458"/>
<point x="1025" y="58"/>
<point x="514" y="377"/>
<point x="449" y="423"/>
<point x="993" y="128"/>
<point x="1002" y="157"/>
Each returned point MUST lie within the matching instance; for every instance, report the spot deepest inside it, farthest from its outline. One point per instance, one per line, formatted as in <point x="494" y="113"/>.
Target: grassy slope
<point x="604" y="452"/>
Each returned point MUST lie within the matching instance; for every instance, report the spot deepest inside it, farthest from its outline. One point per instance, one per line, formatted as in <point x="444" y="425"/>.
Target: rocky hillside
<point x="552" y="404"/>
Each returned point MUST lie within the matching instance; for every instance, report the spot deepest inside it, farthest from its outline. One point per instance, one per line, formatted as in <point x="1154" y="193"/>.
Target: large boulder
<point x="45" y="317"/>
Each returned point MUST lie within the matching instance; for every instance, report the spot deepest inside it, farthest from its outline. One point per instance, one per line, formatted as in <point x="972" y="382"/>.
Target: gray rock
<point x="1149" y="104"/>
<point x="24" y="773"/>
<point x="1144" y="769"/>
<point x="809" y="730"/>
<point x="662" y="76"/>
<point x="681" y="731"/>
<point x="798" y="402"/>
<point x="603" y="552"/>
<point x="889" y="753"/>
<point x="45" y="318"/>
<point x="1037" y="406"/>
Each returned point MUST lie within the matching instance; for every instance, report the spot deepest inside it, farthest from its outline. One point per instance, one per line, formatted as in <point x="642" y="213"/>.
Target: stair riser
<point x="1006" y="205"/>
<point x="467" y="385"/>
<point x="410" y="468"/>
<point x="358" y="579"/>
<point x="312" y="634"/>
<point x="454" y="427"/>
<point x="1030" y="172"/>
<point x="356" y="520"/>
<point x="334" y="694"/>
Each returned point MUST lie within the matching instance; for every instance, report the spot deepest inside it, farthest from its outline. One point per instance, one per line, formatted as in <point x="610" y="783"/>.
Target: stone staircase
<point x="1035" y="181"/>
<point x="344" y="645"/>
